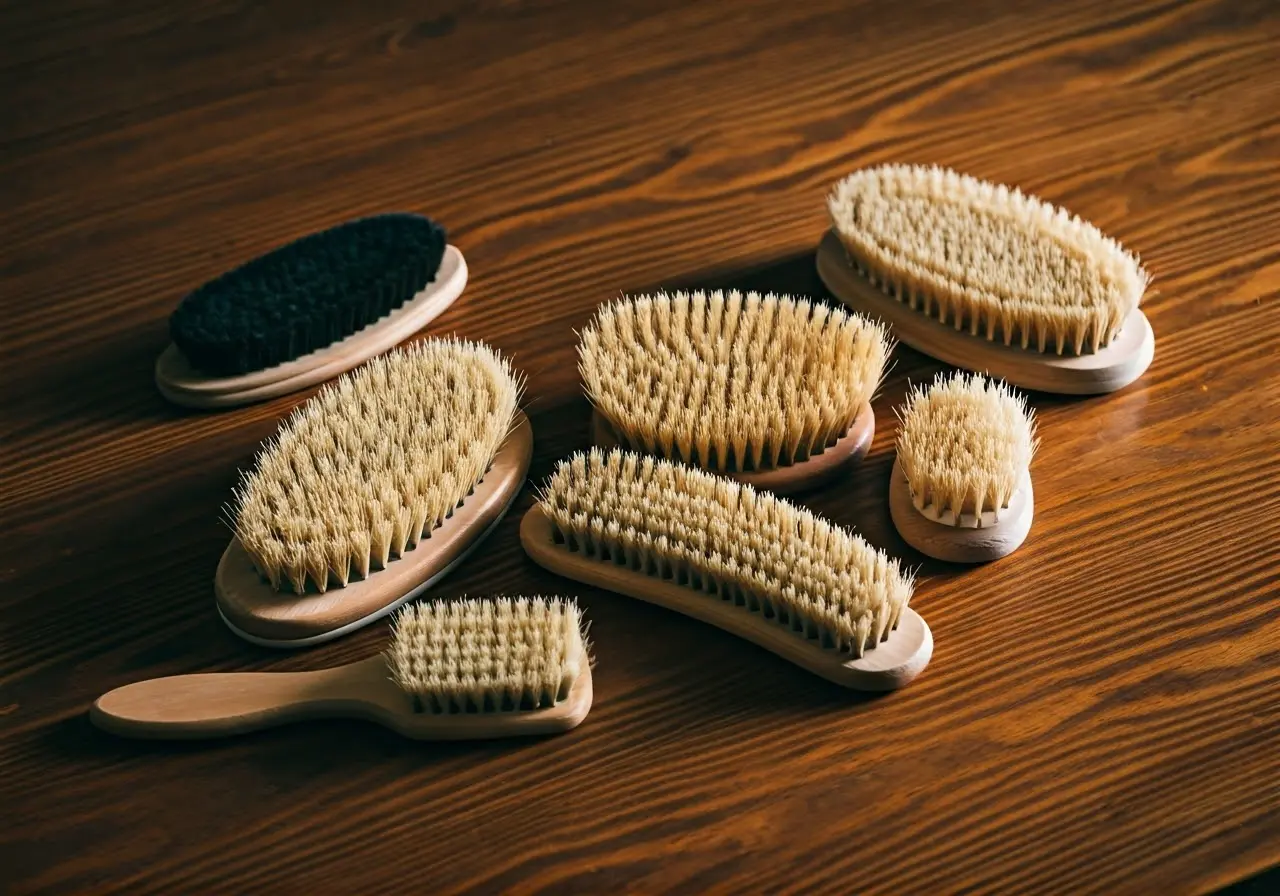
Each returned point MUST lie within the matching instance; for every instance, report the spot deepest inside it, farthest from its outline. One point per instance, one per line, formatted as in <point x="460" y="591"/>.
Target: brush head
<point x="986" y="258"/>
<point x="727" y="381"/>
<point x="374" y="462"/>
<point x="506" y="654"/>
<point x="307" y="294"/>
<point x="728" y="542"/>
<point x="965" y="443"/>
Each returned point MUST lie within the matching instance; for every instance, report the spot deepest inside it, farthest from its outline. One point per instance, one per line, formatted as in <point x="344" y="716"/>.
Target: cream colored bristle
<point x="964" y="444"/>
<point x="729" y="542"/>
<point x="374" y="462"/>
<point x="503" y="654"/>
<point x="729" y="381"/>
<point x="986" y="258"/>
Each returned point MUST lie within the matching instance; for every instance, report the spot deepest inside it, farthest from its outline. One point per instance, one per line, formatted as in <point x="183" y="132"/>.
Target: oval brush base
<point x="222" y="704"/>
<point x="255" y="612"/>
<point x="1109" y="369"/>
<point x="791" y="479"/>
<point x="892" y="664"/>
<point x="183" y="385"/>
<point x="962" y="543"/>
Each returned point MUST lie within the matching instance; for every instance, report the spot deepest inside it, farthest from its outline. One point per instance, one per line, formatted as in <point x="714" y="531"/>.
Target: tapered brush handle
<point x="221" y="704"/>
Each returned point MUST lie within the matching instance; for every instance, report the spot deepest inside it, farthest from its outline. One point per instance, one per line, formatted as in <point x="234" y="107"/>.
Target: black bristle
<point x="307" y="294"/>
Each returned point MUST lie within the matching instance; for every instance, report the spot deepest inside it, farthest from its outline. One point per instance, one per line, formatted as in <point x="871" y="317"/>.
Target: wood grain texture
<point x="1102" y="710"/>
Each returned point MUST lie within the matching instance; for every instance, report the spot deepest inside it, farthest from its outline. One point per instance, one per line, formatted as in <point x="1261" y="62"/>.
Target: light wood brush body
<point x="745" y="561"/>
<point x="768" y="390"/>
<point x="372" y="491"/>
<point x="461" y="671"/>
<point x="961" y="488"/>
<point x="988" y="279"/>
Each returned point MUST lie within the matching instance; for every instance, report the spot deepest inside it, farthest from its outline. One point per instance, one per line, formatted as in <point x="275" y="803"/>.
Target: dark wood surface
<point x="1102" y="712"/>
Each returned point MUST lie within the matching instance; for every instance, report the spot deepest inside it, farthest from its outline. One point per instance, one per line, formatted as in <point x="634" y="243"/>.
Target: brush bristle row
<point x="374" y="462"/>
<point x="986" y="258"/>
<point x="504" y="654"/>
<point x="730" y="381"/>
<point x="730" y="542"/>
<point x="965" y="443"/>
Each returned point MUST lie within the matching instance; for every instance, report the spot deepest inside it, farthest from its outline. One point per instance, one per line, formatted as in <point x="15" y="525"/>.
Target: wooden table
<point x="1103" y="708"/>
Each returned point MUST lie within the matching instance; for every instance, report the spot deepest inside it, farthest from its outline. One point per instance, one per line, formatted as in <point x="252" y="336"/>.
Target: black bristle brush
<point x="309" y="310"/>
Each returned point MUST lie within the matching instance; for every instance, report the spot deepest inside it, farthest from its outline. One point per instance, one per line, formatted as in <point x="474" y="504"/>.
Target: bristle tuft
<point x="964" y="444"/>
<point x="374" y="462"/>
<point x="730" y="543"/>
<point x="501" y="654"/>
<point x="986" y="259"/>
<point x="728" y="381"/>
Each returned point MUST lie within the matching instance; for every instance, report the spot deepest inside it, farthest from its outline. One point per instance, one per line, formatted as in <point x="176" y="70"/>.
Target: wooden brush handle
<point x="220" y="704"/>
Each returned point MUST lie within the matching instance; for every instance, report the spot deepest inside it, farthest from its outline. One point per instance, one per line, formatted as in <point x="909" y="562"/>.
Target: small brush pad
<point x="307" y="294"/>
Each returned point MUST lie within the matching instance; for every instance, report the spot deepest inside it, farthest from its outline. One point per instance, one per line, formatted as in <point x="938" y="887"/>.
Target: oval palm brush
<point x="372" y="491"/>
<point x="768" y="390"/>
<point x="308" y="311"/>
<point x="986" y="278"/>
<point x="745" y="561"/>
<point x="453" y="671"/>
<point x="960" y="489"/>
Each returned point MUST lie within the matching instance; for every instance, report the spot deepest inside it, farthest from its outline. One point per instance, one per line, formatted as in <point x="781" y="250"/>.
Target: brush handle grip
<point x="221" y="704"/>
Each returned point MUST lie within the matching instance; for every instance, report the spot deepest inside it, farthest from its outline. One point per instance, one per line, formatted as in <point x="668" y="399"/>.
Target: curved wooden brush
<point x="179" y="382"/>
<point x="535" y="680"/>
<point x="768" y="390"/>
<point x="259" y="614"/>
<point x="616" y="521"/>
<point x="960" y="489"/>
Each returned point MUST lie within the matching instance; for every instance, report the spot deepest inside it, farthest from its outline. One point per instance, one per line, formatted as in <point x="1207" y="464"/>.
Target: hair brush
<point x="961" y="483"/>
<point x="748" y="562"/>
<point x="986" y="278"/>
<point x="308" y="311"/>
<point x="453" y="671"/>
<point x="769" y="390"/>
<point x="371" y="491"/>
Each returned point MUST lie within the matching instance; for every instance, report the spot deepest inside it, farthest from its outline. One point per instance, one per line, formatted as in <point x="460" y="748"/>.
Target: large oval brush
<point x="309" y="311"/>
<point x="453" y="671"/>
<point x="986" y="278"/>
<point x="769" y="390"/>
<point x="961" y="483"/>
<point x="745" y="561"/>
<point x="373" y="490"/>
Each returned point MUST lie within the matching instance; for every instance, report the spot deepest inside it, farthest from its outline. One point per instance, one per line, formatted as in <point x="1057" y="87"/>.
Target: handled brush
<point x="453" y="671"/>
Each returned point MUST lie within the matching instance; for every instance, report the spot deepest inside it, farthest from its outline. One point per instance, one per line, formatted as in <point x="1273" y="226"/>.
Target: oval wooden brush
<point x="372" y="491"/>
<point x="768" y="390"/>
<point x="309" y="311"/>
<point x="745" y="561"/>
<point x="986" y="278"/>
<point x="960" y="489"/>
<point x="466" y="670"/>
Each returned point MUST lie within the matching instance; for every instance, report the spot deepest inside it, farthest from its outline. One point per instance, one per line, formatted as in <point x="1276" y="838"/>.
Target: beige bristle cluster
<point x="730" y="381"/>
<point x="729" y="542"/>
<point x="504" y="654"/>
<point x="964" y="444"/>
<point x="986" y="258"/>
<point x="374" y="462"/>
